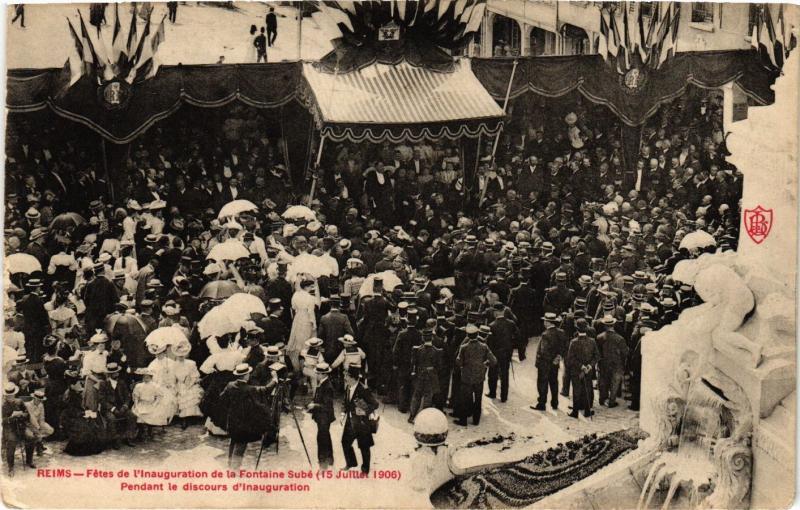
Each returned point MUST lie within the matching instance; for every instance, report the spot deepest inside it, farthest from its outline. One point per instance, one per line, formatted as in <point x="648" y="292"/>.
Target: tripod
<point x="278" y="400"/>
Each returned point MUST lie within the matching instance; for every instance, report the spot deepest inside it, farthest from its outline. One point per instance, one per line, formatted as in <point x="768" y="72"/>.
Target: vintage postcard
<point x="400" y="254"/>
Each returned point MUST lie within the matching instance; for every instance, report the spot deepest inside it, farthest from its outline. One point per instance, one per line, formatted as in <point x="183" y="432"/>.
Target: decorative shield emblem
<point x="114" y="94"/>
<point x="758" y="223"/>
<point x="633" y="80"/>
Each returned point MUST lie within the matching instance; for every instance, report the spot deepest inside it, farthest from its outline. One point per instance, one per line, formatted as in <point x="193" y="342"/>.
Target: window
<point x="702" y="12"/>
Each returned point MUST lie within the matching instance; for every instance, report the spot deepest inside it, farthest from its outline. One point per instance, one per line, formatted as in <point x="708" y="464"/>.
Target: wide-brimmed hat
<point x="242" y="369"/>
<point x="347" y="340"/>
<point x="98" y="338"/>
<point x="143" y="371"/>
<point x="608" y="320"/>
<point x="322" y="368"/>
<point x="551" y="317"/>
<point x="314" y="342"/>
<point x="39" y="395"/>
<point x="113" y="368"/>
<point x="10" y="389"/>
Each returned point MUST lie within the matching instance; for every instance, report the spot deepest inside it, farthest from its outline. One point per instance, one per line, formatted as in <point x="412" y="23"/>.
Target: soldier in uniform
<point x="552" y="348"/>
<point x="426" y="363"/>
<point x="503" y="336"/>
<point x="613" y="356"/>
<point x="374" y="335"/>
<point x="402" y="354"/>
<point x="522" y="302"/>
<point x="582" y="357"/>
<point x="472" y="360"/>
<point x="559" y="299"/>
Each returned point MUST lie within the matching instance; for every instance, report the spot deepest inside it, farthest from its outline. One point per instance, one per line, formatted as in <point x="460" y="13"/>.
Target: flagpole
<point x="505" y="107"/>
<point x="300" y="31"/>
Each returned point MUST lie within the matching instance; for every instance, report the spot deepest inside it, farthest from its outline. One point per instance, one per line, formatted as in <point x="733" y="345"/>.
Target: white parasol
<point x="22" y="263"/>
<point x="305" y="263"/>
<point x="390" y="281"/>
<point x="233" y="209"/>
<point x="301" y="212"/>
<point x="229" y="250"/>
<point x="697" y="240"/>
<point x="231" y="315"/>
<point x="169" y="335"/>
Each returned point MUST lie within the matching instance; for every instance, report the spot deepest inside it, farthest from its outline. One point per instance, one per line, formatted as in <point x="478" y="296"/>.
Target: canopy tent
<point x="402" y="102"/>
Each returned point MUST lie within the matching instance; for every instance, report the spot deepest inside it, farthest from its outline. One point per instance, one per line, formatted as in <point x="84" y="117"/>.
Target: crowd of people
<point x="422" y="287"/>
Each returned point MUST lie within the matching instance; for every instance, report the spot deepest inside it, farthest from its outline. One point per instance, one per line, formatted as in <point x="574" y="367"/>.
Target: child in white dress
<point x="187" y="379"/>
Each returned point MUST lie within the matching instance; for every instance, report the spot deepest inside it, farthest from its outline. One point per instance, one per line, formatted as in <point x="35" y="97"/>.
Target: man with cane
<point x="322" y="413"/>
<point x="582" y="357"/>
<point x="359" y="404"/>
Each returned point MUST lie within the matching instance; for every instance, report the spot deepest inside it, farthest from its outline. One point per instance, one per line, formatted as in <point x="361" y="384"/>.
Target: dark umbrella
<point x="67" y="220"/>
<point x="125" y="325"/>
<point x="219" y="289"/>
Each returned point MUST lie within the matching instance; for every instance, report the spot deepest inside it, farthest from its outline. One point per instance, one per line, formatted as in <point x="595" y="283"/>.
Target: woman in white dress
<point x="187" y="378"/>
<point x="147" y="403"/>
<point x="164" y="376"/>
<point x="304" y="325"/>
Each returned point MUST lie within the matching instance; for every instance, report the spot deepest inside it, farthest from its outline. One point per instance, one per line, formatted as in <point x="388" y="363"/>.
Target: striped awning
<point x="402" y="102"/>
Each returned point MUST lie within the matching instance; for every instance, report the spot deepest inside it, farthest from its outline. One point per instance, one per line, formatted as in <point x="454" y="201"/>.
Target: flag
<point x="78" y="44"/>
<point x="668" y="45"/>
<point x="475" y="18"/>
<point x="131" y="33"/>
<point x="429" y="5"/>
<point x="137" y="57"/>
<point x="602" y="43"/>
<point x="159" y="36"/>
<point x="87" y="42"/>
<point x="626" y="38"/>
<point x="117" y="45"/>
<point x="640" y="33"/>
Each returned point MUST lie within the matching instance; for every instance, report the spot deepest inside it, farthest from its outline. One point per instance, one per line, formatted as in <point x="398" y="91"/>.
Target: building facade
<point x="550" y="27"/>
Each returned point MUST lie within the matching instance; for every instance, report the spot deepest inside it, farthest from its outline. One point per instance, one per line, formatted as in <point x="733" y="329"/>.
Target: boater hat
<point x="322" y="368"/>
<point x="242" y="369"/>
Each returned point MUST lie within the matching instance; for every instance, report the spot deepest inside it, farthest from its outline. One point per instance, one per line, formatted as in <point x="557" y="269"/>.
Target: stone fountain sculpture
<point x="726" y="368"/>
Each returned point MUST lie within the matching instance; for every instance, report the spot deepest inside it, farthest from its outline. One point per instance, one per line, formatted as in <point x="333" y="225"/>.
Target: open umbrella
<point x="305" y="263"/>
<point x="169" y="335"/>
<point x="232" y="209"/>
<point x="216" y="322"/>
<point x="241" y="306"/>
<point x="67" y="220"/>
<point x="697" y="240"/>
<point x="219" y="289"/>
<point x="22" y="263"/>
<point x="125" y="325"/>
<point x="229" y="250"/>
<point x="390" y="281"/>
<point x="300" y="212"/>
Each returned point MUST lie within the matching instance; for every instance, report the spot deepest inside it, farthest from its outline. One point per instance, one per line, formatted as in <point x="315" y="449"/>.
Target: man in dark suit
<point x="332" y="326"/>
<point x="36" y="323"/>
<point x="322" y="413"/>
<point x="247" y="413"/>
<point x="504" y="336"/>
<point x="472" y="359"/>
<point x="582" y="357"/>
<point x="522" y="302"/>
<point x="613" y="358"/>
<point x="359" y="403"/>
<point x="552" y="347"/>
<point x="116" y="407"/>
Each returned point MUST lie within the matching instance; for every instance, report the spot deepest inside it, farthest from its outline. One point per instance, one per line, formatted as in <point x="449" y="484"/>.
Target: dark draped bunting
<point x="208" y="86"/>
<point x="600" y="83"/>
